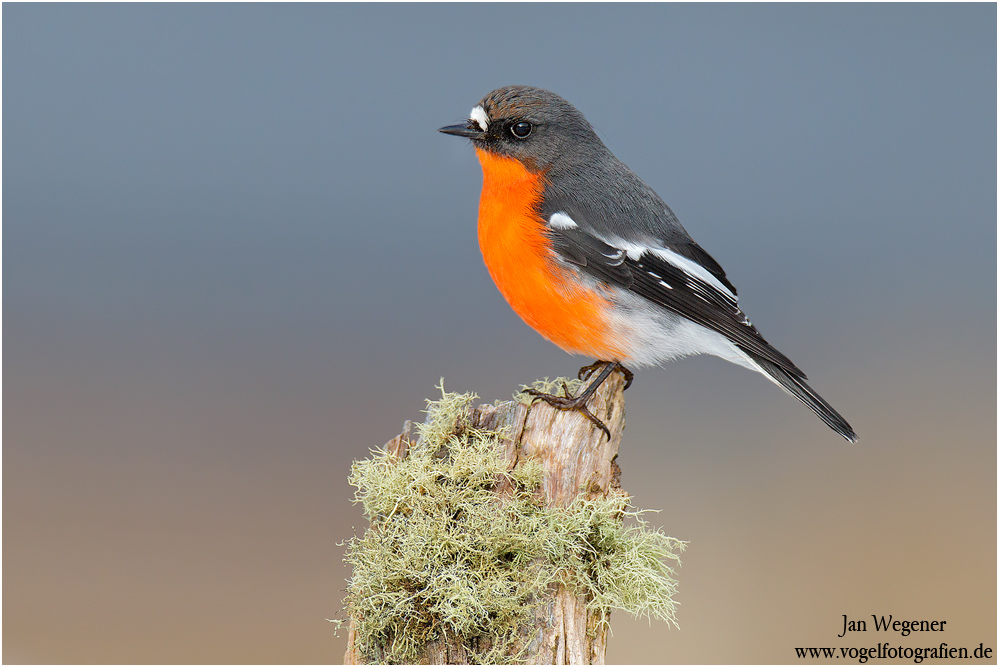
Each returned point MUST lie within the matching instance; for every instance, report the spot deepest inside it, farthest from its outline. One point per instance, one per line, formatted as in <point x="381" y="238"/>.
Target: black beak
<point x="467" y="129"/>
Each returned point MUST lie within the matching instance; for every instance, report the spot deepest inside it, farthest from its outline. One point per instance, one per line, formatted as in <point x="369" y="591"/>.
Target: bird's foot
<point x="568" y="402"/>
<point x="578" y="403"/>
<point x="586" y="371"/>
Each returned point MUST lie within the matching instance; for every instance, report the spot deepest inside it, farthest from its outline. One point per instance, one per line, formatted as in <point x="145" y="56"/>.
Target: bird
<point x="587" y="253"/>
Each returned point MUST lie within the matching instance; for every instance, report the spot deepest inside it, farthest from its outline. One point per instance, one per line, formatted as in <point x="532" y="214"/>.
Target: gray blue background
<point x="238" y="255"/>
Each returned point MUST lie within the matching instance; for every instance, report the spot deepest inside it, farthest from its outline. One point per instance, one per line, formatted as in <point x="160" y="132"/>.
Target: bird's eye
<point x="521" y="129"/>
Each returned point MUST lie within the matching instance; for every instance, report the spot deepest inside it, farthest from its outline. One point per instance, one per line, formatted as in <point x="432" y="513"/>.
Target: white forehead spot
<point x="479" y="116"/>
<point x="561" y="221"/>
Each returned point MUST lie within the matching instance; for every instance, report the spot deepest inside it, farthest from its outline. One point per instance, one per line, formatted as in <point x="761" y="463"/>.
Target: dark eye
<point x="521" y="129"/>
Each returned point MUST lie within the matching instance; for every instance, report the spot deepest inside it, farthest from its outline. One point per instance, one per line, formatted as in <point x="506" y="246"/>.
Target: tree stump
<point x="578" y="461"/>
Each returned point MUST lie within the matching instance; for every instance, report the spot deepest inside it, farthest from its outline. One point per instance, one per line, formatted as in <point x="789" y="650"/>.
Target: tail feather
<point x="795" y="385"/>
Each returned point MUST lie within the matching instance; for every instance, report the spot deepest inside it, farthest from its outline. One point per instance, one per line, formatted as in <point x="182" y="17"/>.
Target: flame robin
<point x="594" y="260"/>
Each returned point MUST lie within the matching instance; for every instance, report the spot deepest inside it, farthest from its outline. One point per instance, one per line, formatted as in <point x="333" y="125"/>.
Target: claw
<point x="579" y="402"/>
<point x="567" y="402"/>
<point x="586" y="371"/>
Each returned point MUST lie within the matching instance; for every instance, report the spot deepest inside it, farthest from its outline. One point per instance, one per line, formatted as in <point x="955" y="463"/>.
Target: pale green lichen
<point x="446" y="554"/>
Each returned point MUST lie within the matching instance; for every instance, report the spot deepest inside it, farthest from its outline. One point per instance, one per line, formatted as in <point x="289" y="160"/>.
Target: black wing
<point x="647" y="273"/>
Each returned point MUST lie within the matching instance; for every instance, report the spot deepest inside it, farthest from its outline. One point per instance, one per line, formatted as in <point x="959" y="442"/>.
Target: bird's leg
<point x="586" y="371"/>
<point x="578" y="403"/>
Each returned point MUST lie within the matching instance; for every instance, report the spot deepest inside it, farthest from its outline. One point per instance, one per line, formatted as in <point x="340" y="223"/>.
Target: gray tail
<point x="795" y="385"/>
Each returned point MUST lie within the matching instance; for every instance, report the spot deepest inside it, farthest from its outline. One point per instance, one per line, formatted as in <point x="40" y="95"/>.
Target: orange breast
<point x="518" y="255"/>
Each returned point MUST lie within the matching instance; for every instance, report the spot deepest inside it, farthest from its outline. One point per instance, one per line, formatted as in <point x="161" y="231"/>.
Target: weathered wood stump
<point x="578" y="460"/>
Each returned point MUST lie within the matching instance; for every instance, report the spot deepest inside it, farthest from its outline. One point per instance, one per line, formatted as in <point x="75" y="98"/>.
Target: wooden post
<point x="578" y="460"/>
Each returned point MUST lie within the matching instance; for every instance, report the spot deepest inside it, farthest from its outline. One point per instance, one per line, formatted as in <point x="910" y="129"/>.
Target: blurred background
<point x="238" y="255"/>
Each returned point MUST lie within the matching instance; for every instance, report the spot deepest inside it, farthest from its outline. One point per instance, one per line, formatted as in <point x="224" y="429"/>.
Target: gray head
<point x="533" y="125"/>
